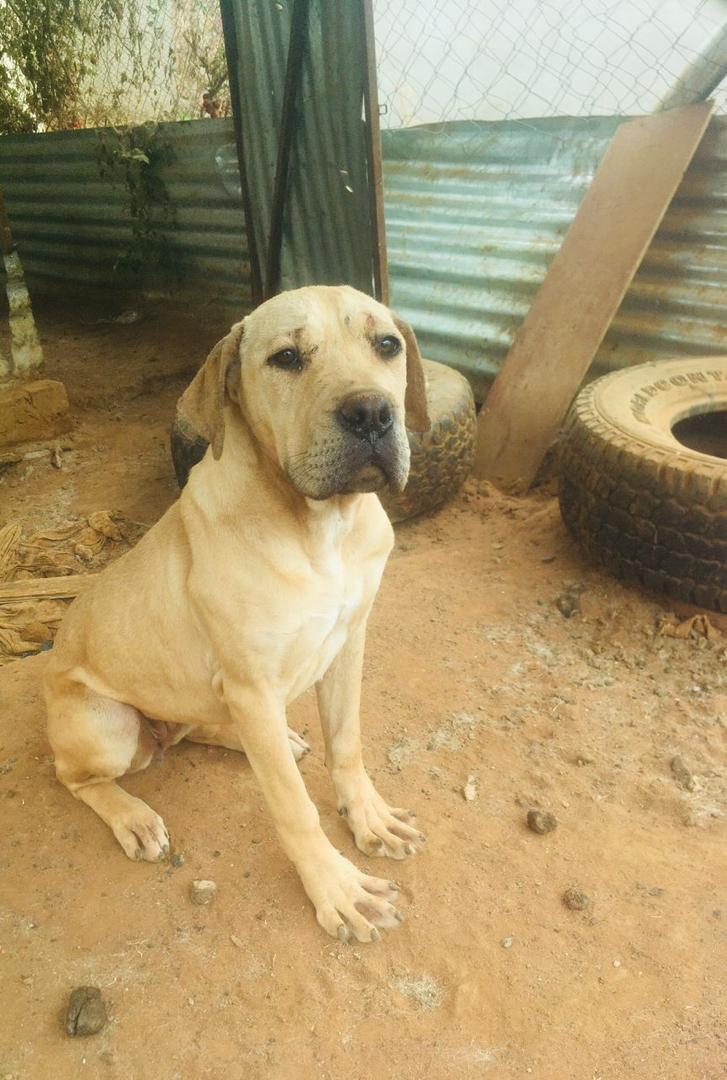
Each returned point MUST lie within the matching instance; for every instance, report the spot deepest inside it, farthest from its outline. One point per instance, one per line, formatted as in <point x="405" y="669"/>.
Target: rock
<point x="506" y="943"/>
<point x="682" y="775"/>
<point x="569" y="601"/>
<point x="177" y="859"/>
<point x="541" y="821"/>
<point x="576" y="900"/>
<point x="236" y="941"/>
<point x="469" y="791"/>
<point x="202" y="892"/>
<point x="86" y="1012"/>
<point x="32" y="410"/>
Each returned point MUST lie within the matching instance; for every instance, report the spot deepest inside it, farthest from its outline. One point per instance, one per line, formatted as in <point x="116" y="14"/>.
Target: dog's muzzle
<point x="371" y="448"/>
<point x="363" y="450"/>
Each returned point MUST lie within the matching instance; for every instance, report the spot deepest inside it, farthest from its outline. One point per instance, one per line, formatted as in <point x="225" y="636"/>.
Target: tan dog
<point x="256" y="584"/>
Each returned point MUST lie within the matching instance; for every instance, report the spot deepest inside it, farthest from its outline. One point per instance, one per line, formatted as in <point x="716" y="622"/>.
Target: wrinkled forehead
<point x="314" y="315"/>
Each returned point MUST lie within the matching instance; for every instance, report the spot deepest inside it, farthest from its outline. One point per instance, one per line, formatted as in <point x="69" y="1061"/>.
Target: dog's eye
<point x="388" y="346"/>
<point x="288" y="359"/>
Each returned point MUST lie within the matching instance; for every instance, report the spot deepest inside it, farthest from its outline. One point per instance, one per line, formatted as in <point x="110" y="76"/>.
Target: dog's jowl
<point x="255" y="585"/>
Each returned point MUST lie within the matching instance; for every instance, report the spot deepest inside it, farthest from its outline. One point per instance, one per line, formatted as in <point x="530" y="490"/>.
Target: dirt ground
<point x="476" y="679"/>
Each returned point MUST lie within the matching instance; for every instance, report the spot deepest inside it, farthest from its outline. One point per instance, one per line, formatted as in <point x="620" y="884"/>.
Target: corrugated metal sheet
<point x="73" y="228"/>
<point x="475" y="213"/>
<point x="327" y="234"/>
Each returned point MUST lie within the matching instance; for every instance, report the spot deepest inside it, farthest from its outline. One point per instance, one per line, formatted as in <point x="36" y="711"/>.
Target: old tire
<point x="649" y="508"/>
<point x="441" y="458"/>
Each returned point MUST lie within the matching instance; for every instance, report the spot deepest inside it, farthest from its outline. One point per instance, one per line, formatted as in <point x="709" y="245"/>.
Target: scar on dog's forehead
<point x="364" y="320"/>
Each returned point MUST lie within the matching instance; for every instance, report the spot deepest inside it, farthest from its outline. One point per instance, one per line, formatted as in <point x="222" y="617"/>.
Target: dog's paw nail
<point x="343" y="811"/>
<point x="398" y="916"/>
<point x="422" y="838"/>
<point x="410" y="849"/>
<point x="393" y="885"/>
<point x="375" y="935"/>
<point x="343" y="934"/>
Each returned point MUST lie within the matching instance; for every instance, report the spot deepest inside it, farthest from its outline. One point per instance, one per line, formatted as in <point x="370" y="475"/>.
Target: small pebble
<point x="541" y="821"/>
<point x="682" y="775"/>
<point x="86" y="1012"/>
<point x="576" y="900"/>
<point x="506" y="943"/>
<point x="617" y="963"/>
<point x="177" y="859"/>
<point x="236" y="941"/>
<point x="202" y="892"/>
<point x="469" y="791"/>
<point x="568" y="603"/>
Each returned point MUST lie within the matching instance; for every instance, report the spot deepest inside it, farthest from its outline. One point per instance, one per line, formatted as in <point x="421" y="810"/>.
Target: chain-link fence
<point x="92" y="63"/>
<point x="442" y="60"/>
<point x="85" y="63"/>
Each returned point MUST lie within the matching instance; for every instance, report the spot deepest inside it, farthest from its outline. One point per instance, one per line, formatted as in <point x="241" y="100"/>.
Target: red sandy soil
<point x="473" y="677"/>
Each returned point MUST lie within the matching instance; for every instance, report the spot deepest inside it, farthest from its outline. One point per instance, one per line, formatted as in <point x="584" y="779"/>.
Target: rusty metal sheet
<point x="474" y="214"/>
<point x="73" y="225"/>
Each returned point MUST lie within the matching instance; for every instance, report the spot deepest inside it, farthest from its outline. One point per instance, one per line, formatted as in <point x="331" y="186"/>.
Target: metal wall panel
<point x="475" y="213"/>
<point x="327" y="236"/>
<point x="72" y="224"/>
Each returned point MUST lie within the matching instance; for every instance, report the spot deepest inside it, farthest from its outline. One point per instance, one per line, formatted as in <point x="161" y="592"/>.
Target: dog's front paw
<point x="378" y="829"/>
<point x="348" y="903"/>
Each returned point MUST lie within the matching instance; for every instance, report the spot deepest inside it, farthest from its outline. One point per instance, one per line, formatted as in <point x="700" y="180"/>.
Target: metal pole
<point x="373" y="148"/>
<point x="289" y="115"/>
<point x="234" y="76"/>
<point x="701" y="77"/>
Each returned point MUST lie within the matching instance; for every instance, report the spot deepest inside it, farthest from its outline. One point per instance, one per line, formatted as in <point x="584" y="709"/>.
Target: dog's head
<point x="327" y="380"/>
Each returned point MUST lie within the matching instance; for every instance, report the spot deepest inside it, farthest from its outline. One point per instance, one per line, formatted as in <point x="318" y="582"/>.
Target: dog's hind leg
<point x="231" y="740"/>
<point x="95" y="740"/>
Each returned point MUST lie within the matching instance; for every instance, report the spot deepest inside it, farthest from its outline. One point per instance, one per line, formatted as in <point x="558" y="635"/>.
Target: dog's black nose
<point x="367" y="416"/>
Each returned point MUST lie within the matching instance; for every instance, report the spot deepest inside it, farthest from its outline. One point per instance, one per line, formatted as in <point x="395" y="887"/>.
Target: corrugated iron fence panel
<point x="474" y="211"/>
<point x="72" y="223"/>
<point x="327" y="232"/>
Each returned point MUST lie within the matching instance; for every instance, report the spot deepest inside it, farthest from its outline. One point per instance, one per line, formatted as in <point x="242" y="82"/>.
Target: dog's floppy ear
<point x="415" y="402"/>
<point x="203" y="402"/>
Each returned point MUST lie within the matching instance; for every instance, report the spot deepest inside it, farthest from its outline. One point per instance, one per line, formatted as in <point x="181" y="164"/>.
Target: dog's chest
<point x="328" y="611"/>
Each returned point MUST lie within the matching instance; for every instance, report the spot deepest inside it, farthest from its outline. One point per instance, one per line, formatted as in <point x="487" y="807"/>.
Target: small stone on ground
<point x="682" y="774"/>
<point x="202" y="892"/>
<point x="86" y="1012"/>
<point x="541" y="821"/>
<point x="576" y="900"/>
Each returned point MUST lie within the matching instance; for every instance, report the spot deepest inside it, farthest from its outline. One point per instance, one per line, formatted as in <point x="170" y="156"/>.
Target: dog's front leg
<point x="347" y="902"/>
<point x="378" y="829"/>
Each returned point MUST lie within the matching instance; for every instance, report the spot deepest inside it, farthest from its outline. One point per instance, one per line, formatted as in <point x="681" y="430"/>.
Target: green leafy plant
<point x="133" y="157"/>
<point x="93" y="63"/>
<point x="48" y="50"/>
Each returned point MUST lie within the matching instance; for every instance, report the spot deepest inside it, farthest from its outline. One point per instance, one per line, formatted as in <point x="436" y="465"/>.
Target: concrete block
<point x="32" y="410"/>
